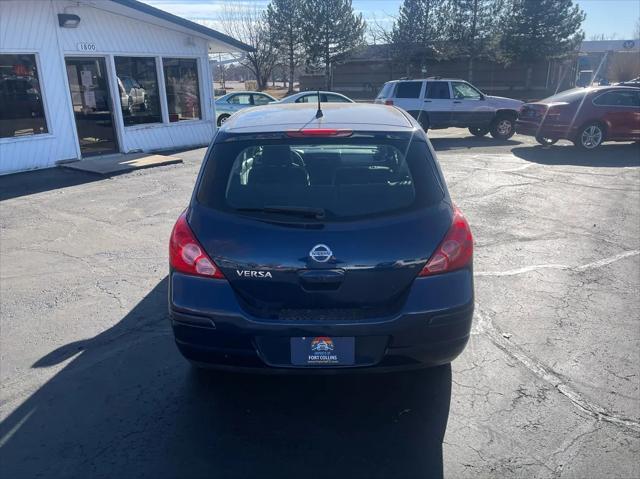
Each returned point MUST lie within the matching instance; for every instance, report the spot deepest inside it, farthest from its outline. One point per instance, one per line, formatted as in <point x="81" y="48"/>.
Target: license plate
<point x="322" y="351"/>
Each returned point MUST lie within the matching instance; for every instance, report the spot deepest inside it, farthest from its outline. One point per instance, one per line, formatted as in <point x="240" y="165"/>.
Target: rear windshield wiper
<point x="303" y="211"/>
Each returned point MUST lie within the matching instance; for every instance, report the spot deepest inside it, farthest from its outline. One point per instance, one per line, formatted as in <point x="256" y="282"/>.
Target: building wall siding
<point x="29" y="27"/>
<point x="120" y="33"/>
<point x="32" y="27"/>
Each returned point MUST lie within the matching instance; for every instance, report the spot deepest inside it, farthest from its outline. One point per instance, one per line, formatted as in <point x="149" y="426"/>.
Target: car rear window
<point x="386" y="90"/>
<point x="360" y="178"/>
<point x="569" y="96"/>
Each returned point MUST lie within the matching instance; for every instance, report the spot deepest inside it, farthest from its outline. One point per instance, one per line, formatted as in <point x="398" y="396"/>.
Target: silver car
<point x="228" y="104"/>
<point x="312" y="97"/>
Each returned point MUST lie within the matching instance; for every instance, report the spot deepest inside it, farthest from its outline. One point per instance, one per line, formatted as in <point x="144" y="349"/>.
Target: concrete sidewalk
<point x="110" y="165"/>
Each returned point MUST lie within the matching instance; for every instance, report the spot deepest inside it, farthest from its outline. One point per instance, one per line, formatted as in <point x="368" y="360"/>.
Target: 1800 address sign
<point x="87" y="47"/>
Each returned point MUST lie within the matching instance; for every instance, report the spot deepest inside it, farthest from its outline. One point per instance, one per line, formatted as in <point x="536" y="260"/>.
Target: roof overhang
<point x="219" y="42"/>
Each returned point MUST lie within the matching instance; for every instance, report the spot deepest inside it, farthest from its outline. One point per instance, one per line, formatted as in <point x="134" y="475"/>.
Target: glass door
<point x="92" y="107"/>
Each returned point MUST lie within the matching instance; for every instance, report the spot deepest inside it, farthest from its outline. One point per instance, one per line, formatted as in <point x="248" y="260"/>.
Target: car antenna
<point x="319" y="113"/>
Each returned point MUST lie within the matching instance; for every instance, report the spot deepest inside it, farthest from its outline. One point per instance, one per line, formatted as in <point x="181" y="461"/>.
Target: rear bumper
<point x="432" y="328"/>
<point x="546" y="130"/>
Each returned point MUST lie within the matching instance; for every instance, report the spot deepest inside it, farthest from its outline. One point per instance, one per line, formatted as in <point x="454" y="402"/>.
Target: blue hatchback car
<point x="321" y="241"/>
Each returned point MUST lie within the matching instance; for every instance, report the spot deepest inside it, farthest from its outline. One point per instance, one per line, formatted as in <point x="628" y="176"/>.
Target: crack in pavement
<point x="625" y="188"/>
<point x="496" y="189"/>
<point x="593" y="265"/>
<point x="484" y="325"/>
<point x="497" y="170"/>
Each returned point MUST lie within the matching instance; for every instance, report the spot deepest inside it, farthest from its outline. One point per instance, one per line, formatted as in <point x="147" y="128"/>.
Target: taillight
<point x="388" y="102"/>
<point x="319" y="132"/>
<point x="456" y="249"/>
<point x="186" y="255"/>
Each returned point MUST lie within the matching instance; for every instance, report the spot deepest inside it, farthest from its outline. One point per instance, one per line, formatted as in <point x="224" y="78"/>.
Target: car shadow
<point x="467" y="142"/>
<point x="607" y="155"/>
<point x="38" y="181"/>
<point x="125" y="404"/>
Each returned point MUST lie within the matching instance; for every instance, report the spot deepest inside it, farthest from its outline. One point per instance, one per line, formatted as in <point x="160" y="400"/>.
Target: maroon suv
<point x="586" y="116"/>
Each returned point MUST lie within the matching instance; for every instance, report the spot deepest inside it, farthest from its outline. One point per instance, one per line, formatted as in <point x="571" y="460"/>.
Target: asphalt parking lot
<point x="92" y="385"/>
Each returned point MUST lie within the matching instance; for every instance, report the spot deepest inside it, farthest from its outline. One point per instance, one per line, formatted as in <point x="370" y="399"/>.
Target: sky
<point x="608" y="17"/>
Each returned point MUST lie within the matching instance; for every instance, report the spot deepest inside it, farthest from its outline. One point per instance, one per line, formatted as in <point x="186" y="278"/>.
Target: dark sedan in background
<point x="586" y="116"/>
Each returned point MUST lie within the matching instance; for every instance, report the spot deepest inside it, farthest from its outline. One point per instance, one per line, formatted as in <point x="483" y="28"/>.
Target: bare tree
<point x="248" y="23"/>
<point x="603" y="36"/>
<point x="623" y="66"/>
<point x="377" y="32"/>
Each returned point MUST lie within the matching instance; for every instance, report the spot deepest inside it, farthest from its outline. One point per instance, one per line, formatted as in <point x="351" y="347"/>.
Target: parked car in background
<point x="228" y="104"/>
<point x="633" y="82"/>
<point x="586" y="116"/>
<point x="132" y="95"/>
<point x="444" y="103"/>
<point x="312" y="97"/>
<point x="287" y="256"/>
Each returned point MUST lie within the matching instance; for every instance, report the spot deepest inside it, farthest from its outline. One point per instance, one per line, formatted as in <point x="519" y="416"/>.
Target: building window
<point x="183" y="92"/>
<point x="21" y="106"/>
<point x="138" y="90"/>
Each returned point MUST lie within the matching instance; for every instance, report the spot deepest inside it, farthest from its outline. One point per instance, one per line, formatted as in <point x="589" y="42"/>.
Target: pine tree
<point x="331" y="30"/>
<point x="472" y="29"/>
<point x="418" y="30"/>
<point x="286" y="23"/>
<point x="535" y="30"/>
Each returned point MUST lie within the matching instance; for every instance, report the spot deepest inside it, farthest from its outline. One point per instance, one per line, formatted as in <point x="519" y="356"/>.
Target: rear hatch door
<point x="318" y="224"/>
<point x="279" y="269"/>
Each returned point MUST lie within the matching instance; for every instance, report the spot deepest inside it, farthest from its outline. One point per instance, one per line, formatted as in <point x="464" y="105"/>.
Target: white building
<point x="94" y="77"/>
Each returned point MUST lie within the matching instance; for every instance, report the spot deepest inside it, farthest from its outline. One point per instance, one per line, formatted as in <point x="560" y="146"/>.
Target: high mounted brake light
<point x="319" y="132"/>
<point x="388" y="102"/>
<point x="456" y="249"/>
<point x="186" y="255"/>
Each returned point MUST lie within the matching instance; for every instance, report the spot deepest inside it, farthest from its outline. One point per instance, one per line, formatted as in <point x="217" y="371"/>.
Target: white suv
<point x="443" y="103"/>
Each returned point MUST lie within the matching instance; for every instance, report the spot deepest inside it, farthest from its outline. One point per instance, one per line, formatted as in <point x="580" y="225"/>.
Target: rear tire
<point x="544" y="141"/>
<point x="503" y="127"/>
<point x="222" y="118"/>
<point x="590" y="137"/>
<point x="479" y="132"/>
